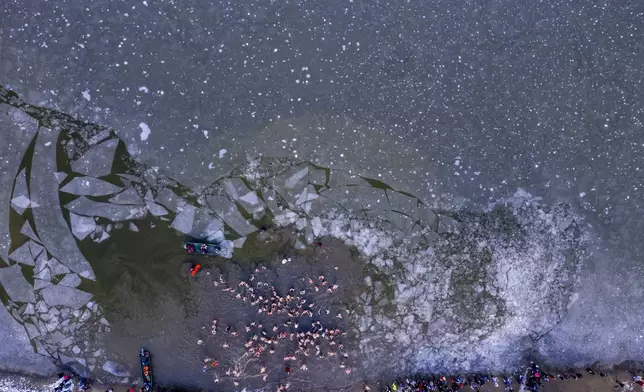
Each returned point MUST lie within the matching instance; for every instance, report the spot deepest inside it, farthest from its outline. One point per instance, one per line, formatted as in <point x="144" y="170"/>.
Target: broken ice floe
<point x="25" y="253"/>
<point x="89" y="186"/>
<point x="58" y="295"/>
<point x="15" y="284"/>
<point x="82" y="226"/>
<point x="113" y="212"/>
<point x="97" y="161"/>
<point x="184" y="219"/>
<point x="20" y="200"/>
<point x="156" y="209"/>
<point x="28" y="231"/>
<point x="128" y="196"/>
<point x="71" y="280"/>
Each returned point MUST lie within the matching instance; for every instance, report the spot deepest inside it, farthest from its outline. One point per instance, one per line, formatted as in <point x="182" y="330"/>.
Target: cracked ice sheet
<point x="113" y="212"/>
<point x="16" y="131"/>
<point x="89" y="186"/>
<point x="50" y="223"/>
<point x="15" y="284"/>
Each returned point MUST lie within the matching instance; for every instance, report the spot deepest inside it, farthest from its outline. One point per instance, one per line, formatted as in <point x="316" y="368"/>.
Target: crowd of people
<point x="288" y="324"/>
<point x="532" y="379"/>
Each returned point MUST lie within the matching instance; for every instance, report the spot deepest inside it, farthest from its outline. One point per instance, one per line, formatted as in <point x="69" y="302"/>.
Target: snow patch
<point x="222" y="152"/>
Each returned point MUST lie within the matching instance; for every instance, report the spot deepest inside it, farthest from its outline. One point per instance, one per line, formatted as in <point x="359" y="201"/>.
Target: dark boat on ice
<point x="202" y="248"/>
<point x="146" y="369"/>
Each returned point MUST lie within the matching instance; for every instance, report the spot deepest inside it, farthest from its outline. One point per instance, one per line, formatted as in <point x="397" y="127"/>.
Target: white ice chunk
<point x="60" y="176"/>
<point x="89" y="186"/>
<point x="132" y="227"/>
<point x="41" y="284"/>
<point x="71" y="280"/>
<point x="239" y="242"/>
<point x="104" y="236"/>
<point x="184" y="220"/>
<point x="24" y="254"/>
<point x="45" y="274"/>
<point x="56" y="267"/>
<point x="86" y="95"/>
<point x="222" y="152"/>
<point x="28" y="231"/>
<point x="81" y="225"/>
<point x="156" y="209"/>
<point x="21" y="203"/>
<point x="145" y="131"/>
<point x="250" y="198"/>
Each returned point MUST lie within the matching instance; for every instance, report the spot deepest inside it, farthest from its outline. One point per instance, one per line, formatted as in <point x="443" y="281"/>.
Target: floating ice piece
<point x="81" y="225"/>
<point x="41" y="262"/>
<point x="24" y="254"/>
<point x="89" y="186"/>
<point x="128" y="196"/>
<point x="58" y="295"/>
<point x="239" y="242"/>
<point x="60" y="176"/>
<point x="132" y="227"/>
<point x="184" y="220"/>
<point x="20" y="201"/>
<point x="41" y="284"/>
<point x="28" y="231"/>
<point x="50" y="222"/>
<point x="103" y="237"/>
<point x="113" y="212"/>
<point x="168" y="198"/>
<point x="250" y="198"/>
<point x="56" y="267"/>
<point x="156" y="209"/>
<point x="15" y="284"/>
<point x="71" y="280"/>
<point x="29" y="309"/>
<point x="97" y="161"/>
<point x="44" y="274"/>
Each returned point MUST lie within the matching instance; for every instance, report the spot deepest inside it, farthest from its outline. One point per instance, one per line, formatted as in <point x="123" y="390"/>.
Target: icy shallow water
<point x="442" y="288"/>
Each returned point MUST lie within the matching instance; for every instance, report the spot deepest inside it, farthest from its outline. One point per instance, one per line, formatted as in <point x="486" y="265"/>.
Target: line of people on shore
<point x="532" y="379"/>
